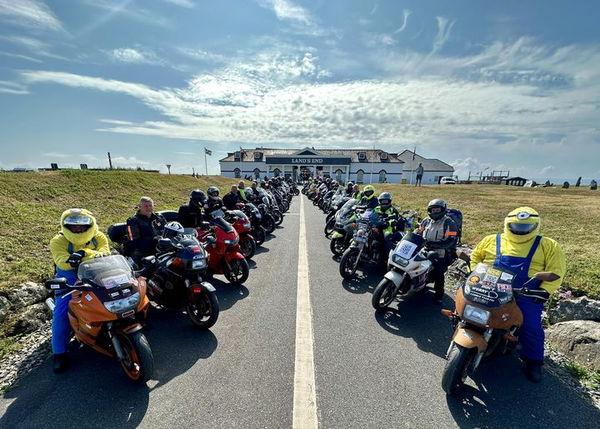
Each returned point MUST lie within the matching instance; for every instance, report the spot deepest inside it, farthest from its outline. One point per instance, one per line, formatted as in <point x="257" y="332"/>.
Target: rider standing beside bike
<point x="523" y="251"/>
<point x="440" y="233"/>
<point x="142" y="230"/>
<point x="79" y="240"/>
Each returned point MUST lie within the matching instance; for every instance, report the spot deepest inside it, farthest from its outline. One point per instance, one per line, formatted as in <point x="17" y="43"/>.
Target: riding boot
<point x="533" y="370"/>
<point x="61" y="362"/>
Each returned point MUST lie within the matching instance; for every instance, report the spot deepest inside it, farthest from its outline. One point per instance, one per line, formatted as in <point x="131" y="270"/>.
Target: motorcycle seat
<point x="117" y="232"/>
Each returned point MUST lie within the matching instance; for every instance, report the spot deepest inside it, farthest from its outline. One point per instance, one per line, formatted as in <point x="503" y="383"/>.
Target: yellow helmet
<point x="368" y="192"/>
<point x="522" y="224"/>
<point x="78" y="219"/>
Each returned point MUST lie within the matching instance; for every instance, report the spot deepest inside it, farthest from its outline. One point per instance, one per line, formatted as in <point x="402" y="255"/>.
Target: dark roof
<point x="372" y="155"/>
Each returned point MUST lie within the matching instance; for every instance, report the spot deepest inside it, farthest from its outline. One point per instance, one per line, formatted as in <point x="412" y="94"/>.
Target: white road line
<point x="305" y="397"/>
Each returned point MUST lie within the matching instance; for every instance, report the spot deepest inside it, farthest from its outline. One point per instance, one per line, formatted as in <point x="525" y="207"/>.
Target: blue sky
<point x="499" y="85"/>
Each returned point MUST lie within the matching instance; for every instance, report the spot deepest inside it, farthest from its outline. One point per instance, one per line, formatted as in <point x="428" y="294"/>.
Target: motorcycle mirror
<point x="461" y="254"/>
<point x="149" y="261"/>
<point x="57" y="284"/>
<point x="164" y="244"/>
<point x="432" y="256"/>
<point x="546" y="276"/>
<point x="204" y="225"/>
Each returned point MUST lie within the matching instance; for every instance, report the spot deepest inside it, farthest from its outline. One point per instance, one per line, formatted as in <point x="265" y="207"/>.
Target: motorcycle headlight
<point x="476" y="315"/>
<point x="124" y="304"/>
<point x="198" y="264"/>
<point x="397" y="259"/>
<point x="246" y="224"/>
<point x="232" y="242"/>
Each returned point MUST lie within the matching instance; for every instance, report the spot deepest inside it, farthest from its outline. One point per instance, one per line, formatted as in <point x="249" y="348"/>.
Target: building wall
<point x="393" y="171"/>
<point x="246" y="168"/>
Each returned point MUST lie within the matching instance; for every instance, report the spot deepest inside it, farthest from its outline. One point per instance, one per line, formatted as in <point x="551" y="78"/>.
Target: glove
<point x="75" y="258"/>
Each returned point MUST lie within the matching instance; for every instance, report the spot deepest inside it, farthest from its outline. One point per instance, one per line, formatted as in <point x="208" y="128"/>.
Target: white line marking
<point x="305" y="397"/>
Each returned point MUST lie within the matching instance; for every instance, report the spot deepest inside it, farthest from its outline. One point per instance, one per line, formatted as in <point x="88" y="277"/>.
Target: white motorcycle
<point x="410" y="266"/>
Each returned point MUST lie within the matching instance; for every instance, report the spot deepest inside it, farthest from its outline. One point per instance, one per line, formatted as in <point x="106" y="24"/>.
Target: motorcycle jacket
<point x="390" y="219"/>
<point x="190" y="216"/>
<point x="141" y="233"/>
<point x="439" y="235"/>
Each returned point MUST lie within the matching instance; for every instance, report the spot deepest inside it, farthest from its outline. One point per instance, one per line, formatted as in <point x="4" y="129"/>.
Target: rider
<point x="214" y="202"/>
<point x="356" y="192"/>
<point x="349" y="189"/>
<point x="241" y="192"/>
<point x="391" y="220"/>
<point x="79" y="240"/>
<point x="368" y="199"/>
<point x="142" y="230"/>
<point x="440" y="233"/>
<point x="231" y="199"/>
<point x="522" y="250"/>
<point x="191" y="215"/>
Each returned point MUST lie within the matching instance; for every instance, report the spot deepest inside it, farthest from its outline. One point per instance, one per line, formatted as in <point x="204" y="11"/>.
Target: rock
<point x="31" y="319"/>
<point x="582" y="308"/>
<point x="4" y="307"/>
<point x="579" y="340"/>
<point x="27" y="294"/>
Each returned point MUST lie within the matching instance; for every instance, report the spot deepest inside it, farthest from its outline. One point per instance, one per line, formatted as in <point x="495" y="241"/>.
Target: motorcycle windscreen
<point x="238" y="213"/>
<point x="349" y="205"/>
<point x="489" y="285"/>
<point x="107" y="272"/>
<point x="409" y="246"/>
<point x="223" y="224"/>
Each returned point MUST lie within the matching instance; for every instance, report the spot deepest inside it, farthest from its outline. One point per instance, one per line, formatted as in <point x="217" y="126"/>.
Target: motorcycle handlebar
<point x="538" y="294"/>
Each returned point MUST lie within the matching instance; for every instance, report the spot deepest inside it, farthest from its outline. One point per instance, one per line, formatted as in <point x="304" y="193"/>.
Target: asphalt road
<point x="370" y="370"/>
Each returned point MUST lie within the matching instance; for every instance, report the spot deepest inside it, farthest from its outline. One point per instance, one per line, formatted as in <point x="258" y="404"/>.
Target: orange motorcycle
<point x="106" y="312"/>
<point x="486" y="320"/>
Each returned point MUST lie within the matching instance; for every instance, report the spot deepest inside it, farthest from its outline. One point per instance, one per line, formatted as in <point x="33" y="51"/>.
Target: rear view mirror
<point x="204" y="225"/>
<point x="57" y="284"/>
<point x="433" y="256"/>
<point x="462" y="255"/>
<point x="164" y="244"/>
<point x="545" y="276"/>
<point x="149" y="261"/>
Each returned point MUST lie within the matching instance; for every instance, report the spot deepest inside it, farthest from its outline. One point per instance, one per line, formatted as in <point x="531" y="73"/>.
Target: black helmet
<point x="197" y="197"/>
<point x="385" y="200"/>
<point x="437" y="209"/>
<point x="172" y="230"/>
<point x="349" y="185"/>
<point x="213" y="192"/>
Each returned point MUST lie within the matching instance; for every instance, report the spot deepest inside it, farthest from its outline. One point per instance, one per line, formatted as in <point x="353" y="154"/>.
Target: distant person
<point x="143" y="229"/>
<point x="593" y="185"/>
<point x="241" y="187"/>
<point x="522" y="250"/>
<point x="78" y="241"/>
<point x="419" y="171"/>
<point x="231" y="199"/>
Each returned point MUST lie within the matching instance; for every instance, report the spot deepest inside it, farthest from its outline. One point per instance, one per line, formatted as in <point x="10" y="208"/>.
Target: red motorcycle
<point x="222" y="243"/>
<point x="241" y="223"/>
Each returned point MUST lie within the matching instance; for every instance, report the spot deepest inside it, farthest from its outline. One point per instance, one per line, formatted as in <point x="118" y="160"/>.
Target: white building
<point x="357" y="165"/>
<point x="434" y="169"/>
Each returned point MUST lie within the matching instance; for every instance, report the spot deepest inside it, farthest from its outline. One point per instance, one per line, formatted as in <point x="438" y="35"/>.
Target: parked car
<point x="447" y="180"/>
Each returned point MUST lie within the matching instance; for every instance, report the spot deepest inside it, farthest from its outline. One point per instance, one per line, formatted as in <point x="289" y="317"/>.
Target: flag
<point x="414" y="153"/>
<point x="208" y="152"/>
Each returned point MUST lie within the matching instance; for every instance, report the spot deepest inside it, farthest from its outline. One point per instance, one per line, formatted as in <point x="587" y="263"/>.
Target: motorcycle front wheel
<point x="237" y="271"/>
<point x="329" y="226"/>
<point x="248" y="247"/>
<point x="349" y="263"/>
<point x="204" y="312"/>
<point x="455" y="372"/>
<point x="337" y="246"/>
<point x="278" y="217"/>
<point x="268" y="223"/>
<point x="259" y="235"/>
<point x="383" y="295"/>
<point x="138" y="362"/>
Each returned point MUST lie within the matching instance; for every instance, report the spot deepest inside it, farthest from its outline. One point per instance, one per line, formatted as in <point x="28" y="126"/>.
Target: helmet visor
<point x="435" y="209"/>
<point x="385" y="202"/>
<point x="521" y="228"/>
<point x="77" y="220"/>
<point x="368" y="193"/>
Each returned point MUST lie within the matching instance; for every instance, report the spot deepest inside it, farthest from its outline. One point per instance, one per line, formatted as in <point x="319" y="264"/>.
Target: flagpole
<point x="205" y="163"/>
<point x="413" y="165"/>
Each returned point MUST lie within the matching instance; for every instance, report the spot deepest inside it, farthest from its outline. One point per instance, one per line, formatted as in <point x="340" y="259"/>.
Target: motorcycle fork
<point x="115" y="341"/>
<point x="486" y="336"/>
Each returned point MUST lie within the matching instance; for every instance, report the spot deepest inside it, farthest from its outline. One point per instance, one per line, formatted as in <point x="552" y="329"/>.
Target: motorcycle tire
<point x="259" y="235"/>
<point x="348" y="263"/>
<point x="204" y="312"/>
<point x="138" y="364"/>
<point x="383" y="295"/>
<point x="278" y="217"/>
<point x="248" y="247"/>
<point x="455" y="371"/>
<point x="296" y="191"/>
<point x="337" y="246"/>
<point x="329" y="227"/>
<point x="268" y="223"/>
<point x="238" y="273"/>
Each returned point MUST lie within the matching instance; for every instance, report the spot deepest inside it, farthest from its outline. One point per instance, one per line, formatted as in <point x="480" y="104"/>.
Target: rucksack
<point x="457" y="216"/>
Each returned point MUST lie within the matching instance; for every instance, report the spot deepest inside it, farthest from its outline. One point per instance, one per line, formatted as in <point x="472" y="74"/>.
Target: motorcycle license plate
<point x="360" y="238"/>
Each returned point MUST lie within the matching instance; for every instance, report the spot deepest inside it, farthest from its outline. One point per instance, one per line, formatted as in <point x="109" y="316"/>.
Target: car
<point x="447" y="180"/>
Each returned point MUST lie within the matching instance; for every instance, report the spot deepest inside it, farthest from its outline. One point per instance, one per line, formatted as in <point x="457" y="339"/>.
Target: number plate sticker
<point x="405" y="249"/>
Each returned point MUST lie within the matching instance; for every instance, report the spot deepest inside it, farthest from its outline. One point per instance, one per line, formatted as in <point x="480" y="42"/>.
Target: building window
<point x="338" y="175"/>
<point x="362" y="156"/>
<point x="237" y="156"/>
<point x="276" y="172"/>
<point x="256" y="173"/>
<point x="237" y="172"/>
<point x="383" y="155"/>
<point x="360" y="176"/>
<point x="382" y="176"/>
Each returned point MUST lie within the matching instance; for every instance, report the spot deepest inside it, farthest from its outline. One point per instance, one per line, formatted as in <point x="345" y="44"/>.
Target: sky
<point x="484" y="86"/>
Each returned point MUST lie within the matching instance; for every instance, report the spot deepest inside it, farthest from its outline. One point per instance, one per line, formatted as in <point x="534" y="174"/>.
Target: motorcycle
<point x="257" y="231"/>
<point x="267" y="220"/>
<point x="222" y="244"/>
<point x="106" y="312"/>
<point x="345" y="224"/>
<point x="486" y="320"/>
<point x="242" y="225"/>
<point x="410" y="266"/>
<point x="336" y="204"/>
<point x="175" y="279"/>
<point x="365" y="245"/>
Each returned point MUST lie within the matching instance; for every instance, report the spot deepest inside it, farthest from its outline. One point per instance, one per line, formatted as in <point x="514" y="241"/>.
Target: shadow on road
<point x="366" y="280"/>
<point x="505" y="399"/>
<point x="94" y="392"/>
<point x="419" y="318"/>
<point x="262" y="249"/>
<point x="228" y="294"/>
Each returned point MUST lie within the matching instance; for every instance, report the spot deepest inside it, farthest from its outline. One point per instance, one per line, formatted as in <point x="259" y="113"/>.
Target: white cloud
<point x="406" y="13"/>
<point x="443" y="34"/>
<point x="186" y="153"/>
<point x="128" y="162"/>
<point x="547" y="170"/>
<point x="183" y="3"/>
<point x="202" y="55"/>
<point x="15" y="88"/>
<point x="125" y="8"/>
<point x="287" y="10"/>
<point x="22" y="57"/>
<point x="30" y="13"/>
<point x="56" y="155"/>
<point x="135" y="56"/>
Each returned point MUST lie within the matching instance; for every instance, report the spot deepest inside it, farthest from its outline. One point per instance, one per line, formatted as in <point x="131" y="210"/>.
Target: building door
<point x="338" y="175"/>
<point x="382" y="177"/>
<point x="360" y="176"/>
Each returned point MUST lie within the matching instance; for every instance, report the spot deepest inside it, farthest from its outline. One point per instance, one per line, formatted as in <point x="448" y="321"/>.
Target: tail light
<point x="177" y="263"/>
<point x="197" y="289"/>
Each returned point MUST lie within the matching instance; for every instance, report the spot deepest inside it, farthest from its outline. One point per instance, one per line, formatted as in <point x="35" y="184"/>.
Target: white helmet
<point x="172" y="230"/>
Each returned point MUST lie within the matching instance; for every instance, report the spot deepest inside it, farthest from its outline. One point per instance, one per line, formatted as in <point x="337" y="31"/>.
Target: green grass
<point x="570" y="216"/>
<point x="590" y="379"/>
<point x="31" y="205"/>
